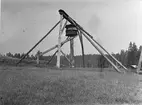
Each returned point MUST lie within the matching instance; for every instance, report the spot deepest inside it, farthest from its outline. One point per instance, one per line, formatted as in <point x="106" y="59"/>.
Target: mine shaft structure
<point x="73" y="29"/>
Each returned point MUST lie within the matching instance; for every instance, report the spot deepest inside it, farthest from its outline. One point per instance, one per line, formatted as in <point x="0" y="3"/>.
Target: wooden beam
<point x="38" y="43"/>
<point x="66" y="57"/>
<point x="101" y="53"/>
<point x="140" y="62"/>
<point x="72" y="52"/>
<point x="52" y="57"/>
<point x="82" y="47"/>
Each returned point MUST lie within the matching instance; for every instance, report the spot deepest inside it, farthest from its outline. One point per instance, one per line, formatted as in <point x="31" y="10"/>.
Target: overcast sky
<point x="113" y="23"/>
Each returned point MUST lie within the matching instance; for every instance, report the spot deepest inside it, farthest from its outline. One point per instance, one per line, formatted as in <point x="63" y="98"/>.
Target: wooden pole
<point x="38" y="56"/>
<point x="101" y="53"/>
<point x="140" y="62"/>
<point x="52" y="48"/>
<point x="72" y="52"/>
<point x="82" y="47"/>
<point x="37" y="43"/>
<point x="52" y="57"/>
<point x="64" y="26"/>
<point x="66" y="57"/>
<point x="37" y="60"/>
<point x="56" y="52"/>
<point x="59" y="43"/>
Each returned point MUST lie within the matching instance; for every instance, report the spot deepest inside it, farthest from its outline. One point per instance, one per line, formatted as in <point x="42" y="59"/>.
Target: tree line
<point x="130" y="56"/>
<point x="127" y="57"/>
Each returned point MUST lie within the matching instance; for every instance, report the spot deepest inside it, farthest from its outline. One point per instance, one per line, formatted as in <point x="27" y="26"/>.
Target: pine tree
<point x="9" y="54"/>
<point x="132" y="54"/>
<point x="134" y="50"/>
<point x="129" y="57"/>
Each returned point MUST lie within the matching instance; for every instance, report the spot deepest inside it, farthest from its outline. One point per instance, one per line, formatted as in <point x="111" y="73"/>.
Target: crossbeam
<point x="52" y="48"/>
<point x="66" y="57"/>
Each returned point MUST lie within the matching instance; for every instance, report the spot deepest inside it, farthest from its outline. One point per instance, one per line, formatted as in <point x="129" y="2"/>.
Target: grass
<point x="56" y="87"/>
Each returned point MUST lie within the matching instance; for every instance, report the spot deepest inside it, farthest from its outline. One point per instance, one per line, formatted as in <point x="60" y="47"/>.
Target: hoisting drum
<point x="71" y="30"/>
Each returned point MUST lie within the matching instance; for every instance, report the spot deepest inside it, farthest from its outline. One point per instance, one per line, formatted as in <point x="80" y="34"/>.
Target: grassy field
<point x="46" y="86"/>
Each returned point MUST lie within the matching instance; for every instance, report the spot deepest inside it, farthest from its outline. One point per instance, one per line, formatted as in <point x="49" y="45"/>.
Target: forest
<point x="127" y="57"/>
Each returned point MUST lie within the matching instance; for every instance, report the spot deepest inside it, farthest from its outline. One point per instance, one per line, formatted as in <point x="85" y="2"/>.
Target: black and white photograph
<point x="71" y="52"/>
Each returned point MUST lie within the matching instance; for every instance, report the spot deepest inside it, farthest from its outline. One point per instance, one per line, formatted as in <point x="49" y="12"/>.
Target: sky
<point x="113" y="23"/>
